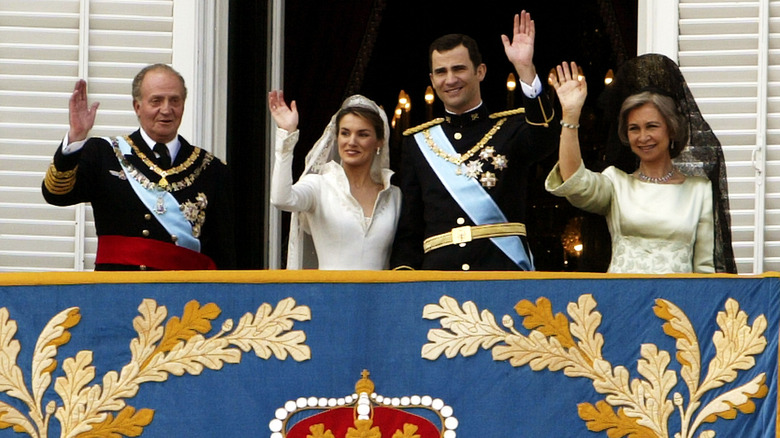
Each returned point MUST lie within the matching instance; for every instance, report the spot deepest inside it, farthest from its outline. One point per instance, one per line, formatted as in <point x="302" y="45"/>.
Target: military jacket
<point x="202" y="186"/>
<point x="428" y="209"/>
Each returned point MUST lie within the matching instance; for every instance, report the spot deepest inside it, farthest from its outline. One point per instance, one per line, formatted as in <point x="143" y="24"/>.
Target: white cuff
<point x="70" y="148"/>
<point x="533" y="90"/>
<point x="285" y="140"/>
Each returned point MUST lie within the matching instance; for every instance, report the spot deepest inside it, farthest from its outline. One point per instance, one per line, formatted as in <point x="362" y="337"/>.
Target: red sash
<point x="154" y="254"/>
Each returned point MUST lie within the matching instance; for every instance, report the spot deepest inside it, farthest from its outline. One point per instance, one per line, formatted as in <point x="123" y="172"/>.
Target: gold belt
<point x="468" y="233"/>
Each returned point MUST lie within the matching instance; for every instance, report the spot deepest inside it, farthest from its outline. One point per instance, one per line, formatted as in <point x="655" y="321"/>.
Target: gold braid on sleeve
<point x="59" y="182"/>
<point x="547" y="119"/>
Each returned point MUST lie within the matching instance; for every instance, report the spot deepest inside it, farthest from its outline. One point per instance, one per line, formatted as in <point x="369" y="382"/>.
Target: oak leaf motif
<point x="539" y="317"/>
<point x="195" y="320"/>
<point x="602" y="417"/>
<point x="464" y="330"/>
<point x="679" y="327"/>
<point x="646" y="403"/>
<point x="735" y="345"/>
<point x="269" y="332"/>
<point x="127" y="423"/>
<point x="584" y="326"/>
<point x="158" y="352"/>
<point x="730" y="403"/>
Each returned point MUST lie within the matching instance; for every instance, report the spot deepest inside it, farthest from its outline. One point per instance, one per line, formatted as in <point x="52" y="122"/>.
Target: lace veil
<point x="701" y="157"/>
<point x="300" y="248"/>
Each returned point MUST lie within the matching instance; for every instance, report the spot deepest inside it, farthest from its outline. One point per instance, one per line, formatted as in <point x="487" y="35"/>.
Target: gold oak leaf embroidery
<point x="680" y="328"/>
<point x="127" y="423"/>
<point x="540" y="317"/>
<point x="54" y="335"/>
<point x="72" y="318"/>
<point x="601" y="417"/>
<point x="160" y="350"/>
<point x="195" y="320"/>
<point x="574" y="347"/>
<point x="318" y="431"/>
<point x="735" y="343"/>
<point x="408" y="432"/>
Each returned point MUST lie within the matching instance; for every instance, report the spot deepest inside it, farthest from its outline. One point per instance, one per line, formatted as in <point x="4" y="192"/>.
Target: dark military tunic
<point x="93" y="174"/>
<point x="428" y="209"/>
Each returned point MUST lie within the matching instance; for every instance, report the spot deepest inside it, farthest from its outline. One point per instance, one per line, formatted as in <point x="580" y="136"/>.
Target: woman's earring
<point x="378" y="151"/>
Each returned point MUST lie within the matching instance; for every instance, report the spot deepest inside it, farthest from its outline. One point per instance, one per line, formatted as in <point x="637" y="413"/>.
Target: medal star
<point x="500" y="162"/>
<point x="474" y="169"/>
<point x="487" y="153"/>
<point x="488" y="179"/>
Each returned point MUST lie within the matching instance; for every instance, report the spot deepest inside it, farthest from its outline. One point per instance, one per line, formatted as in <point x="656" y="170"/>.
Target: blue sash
<point x="171" y="218"/>
<point x="470" y="195"/>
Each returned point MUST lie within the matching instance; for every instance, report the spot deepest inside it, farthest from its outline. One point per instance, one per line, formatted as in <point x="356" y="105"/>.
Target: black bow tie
<point x="164" y="157"/>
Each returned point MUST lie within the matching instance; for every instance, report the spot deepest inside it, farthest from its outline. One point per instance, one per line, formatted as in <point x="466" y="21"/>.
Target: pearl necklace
<point x="656" y="180"/>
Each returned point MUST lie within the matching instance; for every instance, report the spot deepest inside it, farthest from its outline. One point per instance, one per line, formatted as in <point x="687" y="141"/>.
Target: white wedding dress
<point x="344" y="239"/>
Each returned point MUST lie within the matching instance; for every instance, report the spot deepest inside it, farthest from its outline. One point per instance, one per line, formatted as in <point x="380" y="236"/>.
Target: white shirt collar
<point x="173" y="145"/>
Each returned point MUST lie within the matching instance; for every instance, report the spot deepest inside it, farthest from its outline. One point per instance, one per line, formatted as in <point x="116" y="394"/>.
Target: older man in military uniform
<point x="159" y="202"/>
<point x="464" y="176"/>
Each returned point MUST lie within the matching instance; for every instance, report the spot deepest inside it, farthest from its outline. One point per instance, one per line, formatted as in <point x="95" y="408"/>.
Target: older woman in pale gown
<point x="344" y="199"/>
<point x="660" y="220"/>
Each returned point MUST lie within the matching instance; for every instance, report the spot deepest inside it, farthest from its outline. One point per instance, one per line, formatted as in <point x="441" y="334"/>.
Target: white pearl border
<point x="445" y="412"/>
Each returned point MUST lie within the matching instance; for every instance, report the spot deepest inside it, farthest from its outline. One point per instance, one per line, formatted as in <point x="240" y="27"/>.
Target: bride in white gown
<point x="660" y="220"/>
<point x="344" y="199"/>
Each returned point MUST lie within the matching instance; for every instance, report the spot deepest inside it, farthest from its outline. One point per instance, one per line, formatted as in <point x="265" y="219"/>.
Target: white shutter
<point x="728" y="55"/>
<point x="45" y="46"/>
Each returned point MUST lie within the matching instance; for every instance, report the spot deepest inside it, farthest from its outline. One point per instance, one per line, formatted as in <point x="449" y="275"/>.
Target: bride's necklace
<point x="656" y="180"/>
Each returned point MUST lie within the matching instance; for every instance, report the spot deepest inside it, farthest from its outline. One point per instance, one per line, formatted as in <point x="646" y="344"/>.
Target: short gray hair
<point x="676" y="123"/>
<point x="139" y="79"/>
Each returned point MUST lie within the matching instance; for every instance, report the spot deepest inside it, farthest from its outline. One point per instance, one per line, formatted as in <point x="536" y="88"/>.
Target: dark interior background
<point x="378" y="48"/>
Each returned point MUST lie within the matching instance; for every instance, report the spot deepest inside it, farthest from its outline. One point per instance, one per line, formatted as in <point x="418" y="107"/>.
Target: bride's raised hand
<point x="286" y="117"/>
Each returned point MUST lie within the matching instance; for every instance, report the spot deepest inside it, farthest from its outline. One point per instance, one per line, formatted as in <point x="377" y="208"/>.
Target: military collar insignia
<point x="465" y="119"/>
<point x="455" y="119"/>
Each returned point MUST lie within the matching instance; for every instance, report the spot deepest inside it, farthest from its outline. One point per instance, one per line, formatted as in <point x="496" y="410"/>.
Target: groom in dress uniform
<point x="464" y="176"/>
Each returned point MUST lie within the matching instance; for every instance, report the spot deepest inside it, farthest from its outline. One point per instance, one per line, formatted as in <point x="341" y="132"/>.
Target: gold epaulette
<point x="507" y="113"/>
<point x="425" y="125"/>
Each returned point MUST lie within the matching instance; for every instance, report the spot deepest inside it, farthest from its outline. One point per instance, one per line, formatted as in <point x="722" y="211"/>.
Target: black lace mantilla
<point x="702" y="156"/>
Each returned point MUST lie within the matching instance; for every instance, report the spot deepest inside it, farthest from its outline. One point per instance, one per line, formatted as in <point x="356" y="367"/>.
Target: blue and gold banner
<point x="387" y="354"/>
